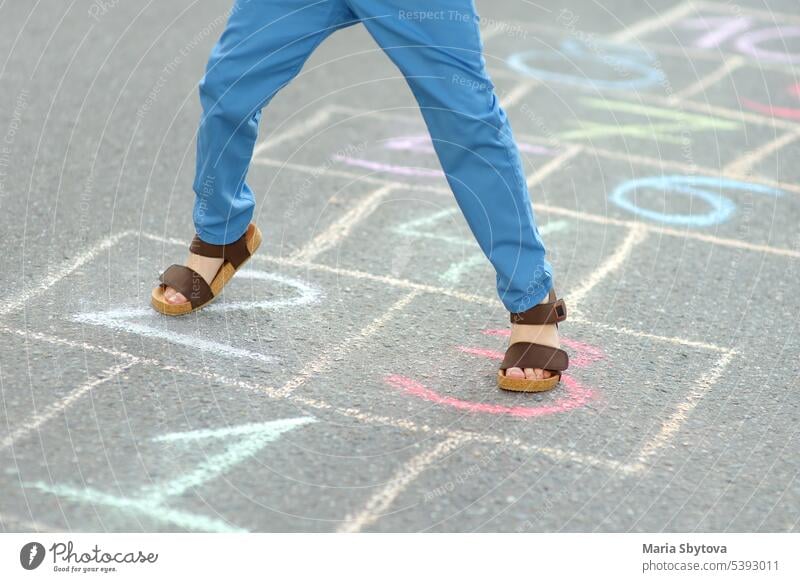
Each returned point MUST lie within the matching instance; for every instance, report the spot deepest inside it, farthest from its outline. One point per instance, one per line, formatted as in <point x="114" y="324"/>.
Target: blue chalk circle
<point x="700" y="187"/>
<point x="634" y="66"/>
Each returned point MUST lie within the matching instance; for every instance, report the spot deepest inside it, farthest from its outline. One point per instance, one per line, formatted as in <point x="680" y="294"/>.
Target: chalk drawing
<point x="741" y="34"/>
<point x="717" y="29"/>
<point x="151" y="501"/>
<point x="672" y="130"/>
<point x="431" y="226"/>
<point x="722" y="208"/>
<point x="635" y="68"/>
<point x="146" y="322"/>
<point x="420" y="144"/>
<point x="574" y="396"/>
<point x="774" y="110"/>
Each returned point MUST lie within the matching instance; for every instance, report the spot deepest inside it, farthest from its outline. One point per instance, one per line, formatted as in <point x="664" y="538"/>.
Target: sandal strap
<point x="542" y="314"/>
<point x="530" y="355"/>
<point x="189" y="283"/>
<point x="235" y="253"/>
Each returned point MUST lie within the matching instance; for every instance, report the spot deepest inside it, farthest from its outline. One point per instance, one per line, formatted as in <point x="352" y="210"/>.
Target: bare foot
<point x="206" y="267"/>
<point x="538" y="334"/>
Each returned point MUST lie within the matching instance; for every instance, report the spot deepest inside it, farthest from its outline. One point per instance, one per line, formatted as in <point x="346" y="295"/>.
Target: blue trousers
<point x="437" y="47"/>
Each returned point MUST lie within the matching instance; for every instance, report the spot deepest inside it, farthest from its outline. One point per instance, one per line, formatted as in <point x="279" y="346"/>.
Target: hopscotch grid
<point x="284" y="393"/>
<point x="378" y="505"/>
<point x="646" y="450"/>
<point x="735" y="8"/>
<point x="734" y="115"/>
<point x="654" y="23"/>
<point x="613" y="465"/>
<point x="728" y="66"/>
<point x="717" y="54"/>
<point x="603" y="219"/>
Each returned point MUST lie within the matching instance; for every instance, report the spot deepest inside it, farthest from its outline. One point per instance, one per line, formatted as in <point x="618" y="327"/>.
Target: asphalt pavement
<point x="346" y="380"/>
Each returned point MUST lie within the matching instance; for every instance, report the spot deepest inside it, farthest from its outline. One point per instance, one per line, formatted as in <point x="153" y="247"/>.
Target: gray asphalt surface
<point x="346" y="379"/>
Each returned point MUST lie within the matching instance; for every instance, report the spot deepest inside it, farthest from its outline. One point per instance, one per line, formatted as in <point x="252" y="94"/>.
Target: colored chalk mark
<point x="583" y="354"/>
<point x="421" y="144"/>
<point x="722" y="208"/>
<point x="146" y="322"/>
<point x="673" y="130"/>
<point x="741" y="34"/>
<point x="636" y="68"/>
<point x="774" y="110"/>
<point x="575" y="397"/>
<point x="429" y="227"/>
<point x="575" y="394"/>
<point x="151" y="500"/>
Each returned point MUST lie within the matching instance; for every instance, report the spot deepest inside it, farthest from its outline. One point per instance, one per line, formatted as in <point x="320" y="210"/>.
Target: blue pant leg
<point x="437" y="47"/>
<point x="263" y="47"/>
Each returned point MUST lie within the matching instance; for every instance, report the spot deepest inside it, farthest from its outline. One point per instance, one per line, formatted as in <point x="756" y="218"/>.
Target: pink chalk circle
<point x="749" y="43"/>
<point x="575" y="396"/>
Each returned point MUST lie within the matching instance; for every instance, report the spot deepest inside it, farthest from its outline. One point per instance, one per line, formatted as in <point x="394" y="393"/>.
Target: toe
<point x="515" y="373"/>
<point x="546" y="373"/>
<point x="173" y="296"/>
<point x="533" y="373"/>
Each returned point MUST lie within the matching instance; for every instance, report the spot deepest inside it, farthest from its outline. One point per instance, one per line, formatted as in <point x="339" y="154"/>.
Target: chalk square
<point x="610" y="188"/>
<point x="763" y="37"/>
<point x="670" y="280"/>
<point x="448" y="379"/>
<point x="199" y="454"/>
<point x="257" y="329"/>
<point x="423" y="238"/>
<point x="390" y="145"/>
<point x="483" y="487"/>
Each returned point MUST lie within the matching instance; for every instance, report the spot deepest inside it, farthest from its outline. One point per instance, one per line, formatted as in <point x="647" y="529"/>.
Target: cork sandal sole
<point x="223" y="276"/>
<point x="525" y="384"/>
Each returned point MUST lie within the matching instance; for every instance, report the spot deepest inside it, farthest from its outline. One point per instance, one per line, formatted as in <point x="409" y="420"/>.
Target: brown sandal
<point x="529" y="355"/>
<point x="192" y="285"/>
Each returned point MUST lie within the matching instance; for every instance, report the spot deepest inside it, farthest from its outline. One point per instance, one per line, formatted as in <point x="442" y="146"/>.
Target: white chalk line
<point x="737" y="9"/>
<point x="636" y="236"/>
<point x="654" y="23"/>
<point x="706" y="108"/>
<point x="326" y="361"/>
<point x="729" y="65"/>
<point x="359" y="415"/>
<point x="351" y="413"/>
<point x="690" y="169"/>
<point x="341" y="228"/>
<point x="578" y="318"/>
<point x="673" y="424"/>
<point x="553" y="165"/>
<point x="293" y="132"/>
<point x="353" y="176"/>
<point x="58" y="407"/>
<point x="666" y="102"/>
<point x="377" y="505"/>
<point x="145" y="322"/>
<point x="510" y="99"/>
<point x="58" y="274"/>
<point x="744" y="164"/>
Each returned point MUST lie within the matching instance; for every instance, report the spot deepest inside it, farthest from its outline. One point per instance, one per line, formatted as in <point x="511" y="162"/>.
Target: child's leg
<point x="263" y="47"/>
<point x="437" y="46"/>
